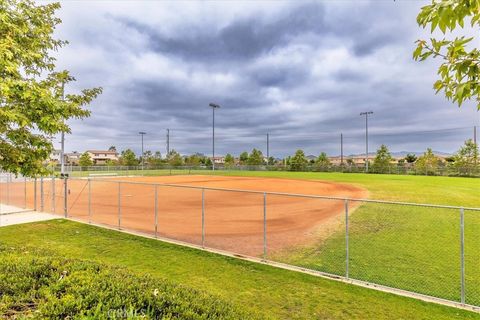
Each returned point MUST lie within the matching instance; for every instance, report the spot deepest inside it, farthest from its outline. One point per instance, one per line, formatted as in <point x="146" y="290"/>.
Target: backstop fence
<point x="431" y="250"/>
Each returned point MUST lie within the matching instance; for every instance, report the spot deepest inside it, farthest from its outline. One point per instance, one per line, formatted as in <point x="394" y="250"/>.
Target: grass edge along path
<point x="273" y="292"/>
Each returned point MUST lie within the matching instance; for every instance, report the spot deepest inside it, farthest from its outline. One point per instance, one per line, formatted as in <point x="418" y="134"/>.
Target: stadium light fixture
<point x="142" y="134"/>
<point x="366" y="137"/>
<point x="213" y="106"/>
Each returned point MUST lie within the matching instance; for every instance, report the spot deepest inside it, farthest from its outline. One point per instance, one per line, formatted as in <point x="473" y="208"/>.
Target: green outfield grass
<point x="424" y="189"/>
<point x="412" y="248"/>
<point x="253" y="288"/>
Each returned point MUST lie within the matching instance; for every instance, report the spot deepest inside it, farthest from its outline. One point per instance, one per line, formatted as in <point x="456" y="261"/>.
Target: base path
<point x="233" y="220"/>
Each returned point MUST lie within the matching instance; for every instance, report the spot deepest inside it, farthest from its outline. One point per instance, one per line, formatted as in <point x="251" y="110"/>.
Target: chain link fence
<point x="398" y="169"/>
<point x="427" y="249"/>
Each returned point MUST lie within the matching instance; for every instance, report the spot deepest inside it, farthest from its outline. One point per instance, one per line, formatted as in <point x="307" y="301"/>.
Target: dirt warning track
<point x="233" y="220"/>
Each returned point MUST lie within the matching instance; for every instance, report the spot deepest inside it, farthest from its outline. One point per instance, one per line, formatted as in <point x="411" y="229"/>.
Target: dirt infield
<point x="233" y="220"/>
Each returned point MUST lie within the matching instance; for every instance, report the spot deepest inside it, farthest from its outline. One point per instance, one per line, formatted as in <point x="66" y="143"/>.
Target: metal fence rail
<point x="428" y="249"/>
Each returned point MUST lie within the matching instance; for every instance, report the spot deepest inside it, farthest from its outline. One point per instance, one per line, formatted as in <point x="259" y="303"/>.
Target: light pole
<point x="214" y="106"/>
<point x="268" y="149"/>
<point x="366" y="137"/>
<point x="168" y="142"/>
<point x="142" y="134"/>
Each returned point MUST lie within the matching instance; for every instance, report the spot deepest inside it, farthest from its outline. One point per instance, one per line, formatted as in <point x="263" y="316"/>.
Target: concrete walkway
<point x="10" y="215"/>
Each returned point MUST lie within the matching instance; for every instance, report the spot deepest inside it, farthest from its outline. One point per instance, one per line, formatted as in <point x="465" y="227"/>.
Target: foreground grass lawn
<point x="271" y="292"/>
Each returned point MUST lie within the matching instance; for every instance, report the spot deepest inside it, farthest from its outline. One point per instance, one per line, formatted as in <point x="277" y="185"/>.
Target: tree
<point x="31" y="104"/>
<point x="128" y="158"/>
<point x="255" y="158"/>
<point x="466" y="158"/>
<point x="157" y="159"/>
<point x="192" y="160"/>
<point x="271" y="161"/>
<point x="147" y="157"/>
<point x="112" y="148"/>
<point x="298" y="162"/>
<point x="383" y="160"/>
<point x="460" y="68"/>
<point x="322" y="162"/>
<point x="229" y="160"/>
<point x="208" y="162"/>
<point x="427" y="163"/>
<point x="243" y="157"/>
<point x="111" y="163"/>
<point x="410" y="158"/>
<point x="174" y="158"/>
<point x="85" y="160"/>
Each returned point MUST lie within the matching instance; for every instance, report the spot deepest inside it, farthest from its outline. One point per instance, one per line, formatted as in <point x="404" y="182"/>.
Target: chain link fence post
<point x="462" y="257"/>
<point x="264" y="226"/>
<point x="53" y="194"/>
<point x="347" y="253"/>
<point x="42" y="199"/>
<point x="89" y="200"/>
<point x="65" y="198"/>
<point x="35" y="194"/>
<point x="203" y="218"/>
<point x="9" y="177"/>
<point x="25" y="193"/>
<point x="156" y="210"/>
<point x="119" y="206"/>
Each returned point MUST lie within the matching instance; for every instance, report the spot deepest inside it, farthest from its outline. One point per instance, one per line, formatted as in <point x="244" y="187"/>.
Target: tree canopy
<point x="383" y="159"/>
<point x="298" y="162"/>
<point x="128" y="158"/>
<point x="243" y="157"/>
<point x="322" y="161"/>
<point x="229" y="160"/>
<point x="467" y="157"/>
<point x="428" y="162"/>
<point x="255" y="158"/>
<point x="85" y="160"/>
<point x="32" y="106"/>
<point x="410" y="158"/>
<point x="174" y="158"/>
<point x="460" y="69"/>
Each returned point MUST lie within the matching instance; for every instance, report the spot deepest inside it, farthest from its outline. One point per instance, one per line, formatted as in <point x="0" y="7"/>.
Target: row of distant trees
<point x="466" y="158"/>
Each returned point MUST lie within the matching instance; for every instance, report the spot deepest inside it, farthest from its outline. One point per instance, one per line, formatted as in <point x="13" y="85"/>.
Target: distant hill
<point x="402" y="154"/>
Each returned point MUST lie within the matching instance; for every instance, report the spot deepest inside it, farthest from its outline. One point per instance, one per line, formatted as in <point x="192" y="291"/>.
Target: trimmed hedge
<point x="40" y="285"/>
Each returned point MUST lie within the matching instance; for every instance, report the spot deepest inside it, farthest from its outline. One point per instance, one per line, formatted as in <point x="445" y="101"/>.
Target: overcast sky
<point x="300" y="71"/>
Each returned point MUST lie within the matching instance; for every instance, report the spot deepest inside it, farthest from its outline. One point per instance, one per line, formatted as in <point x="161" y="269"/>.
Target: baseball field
<point x="401" y="246"/>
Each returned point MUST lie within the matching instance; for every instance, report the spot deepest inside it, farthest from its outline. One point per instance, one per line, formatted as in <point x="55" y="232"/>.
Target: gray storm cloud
<point x="301" y="72"/>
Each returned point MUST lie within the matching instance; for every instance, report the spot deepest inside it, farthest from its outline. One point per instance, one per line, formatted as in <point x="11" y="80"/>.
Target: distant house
<point x="218" y="160"/>
<point x="55" y="156"/>
<point x="102" y="156"/>
<point x="73" y="158"/>
<point x="356" y="160"/>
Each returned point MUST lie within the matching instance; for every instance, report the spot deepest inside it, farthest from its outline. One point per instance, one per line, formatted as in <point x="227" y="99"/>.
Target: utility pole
<point x="143" y="153"/>
<point x="341" y="148"/>
<point x="268" y="148"/>
<point x="168" y="143"/>
<point x="366" y="137"/>
<point x="214" y="106"/>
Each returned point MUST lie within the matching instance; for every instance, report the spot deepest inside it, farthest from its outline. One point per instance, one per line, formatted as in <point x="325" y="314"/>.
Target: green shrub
<point x="39" y="285"/>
